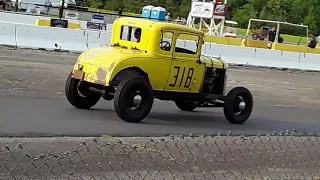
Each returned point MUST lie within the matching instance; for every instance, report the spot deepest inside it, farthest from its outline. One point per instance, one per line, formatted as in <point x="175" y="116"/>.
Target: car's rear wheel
<point x="186" y="106"/>
<point x="238" y="105"/>
<point x="79" y="95"/>
<point x="133" y="99"/>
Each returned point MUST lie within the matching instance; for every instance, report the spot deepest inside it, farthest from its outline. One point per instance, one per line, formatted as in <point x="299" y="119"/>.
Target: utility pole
<point x="61" y="9"/>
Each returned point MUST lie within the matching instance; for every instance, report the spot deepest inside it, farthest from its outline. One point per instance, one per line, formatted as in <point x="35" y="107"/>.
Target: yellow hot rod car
<point x="150" y="59"/>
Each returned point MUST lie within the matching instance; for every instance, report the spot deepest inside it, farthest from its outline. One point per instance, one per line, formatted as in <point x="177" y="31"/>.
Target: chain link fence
<point x="282" y="155"/>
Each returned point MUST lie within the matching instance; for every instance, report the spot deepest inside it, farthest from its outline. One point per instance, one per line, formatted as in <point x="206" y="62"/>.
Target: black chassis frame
<point x="200" y="99"/>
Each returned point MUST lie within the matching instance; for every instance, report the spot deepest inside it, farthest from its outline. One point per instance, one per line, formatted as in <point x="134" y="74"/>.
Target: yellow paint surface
<point x="102" y="64"/>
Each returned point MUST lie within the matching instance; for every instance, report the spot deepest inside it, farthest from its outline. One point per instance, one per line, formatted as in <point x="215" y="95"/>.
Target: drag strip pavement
<point x="32" y="103"/>
<point x="48" y="117"/>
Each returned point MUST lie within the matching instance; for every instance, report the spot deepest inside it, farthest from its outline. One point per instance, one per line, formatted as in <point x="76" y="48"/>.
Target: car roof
<point x="148" y="23"/>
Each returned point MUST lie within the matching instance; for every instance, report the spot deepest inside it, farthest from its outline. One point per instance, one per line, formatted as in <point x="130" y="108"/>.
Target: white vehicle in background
<point x="57" y="3"/>
<point x="230" y="31"/>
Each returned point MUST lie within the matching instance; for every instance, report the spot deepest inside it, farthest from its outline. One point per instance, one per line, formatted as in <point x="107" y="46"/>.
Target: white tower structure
<point x="213" y="10"/>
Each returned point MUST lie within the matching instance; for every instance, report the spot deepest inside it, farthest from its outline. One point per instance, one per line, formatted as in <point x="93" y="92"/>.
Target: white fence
<point x="30" y="36"/>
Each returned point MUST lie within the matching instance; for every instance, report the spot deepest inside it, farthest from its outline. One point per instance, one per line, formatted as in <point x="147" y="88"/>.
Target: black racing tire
<point x="232" y="105"/>
<point x="123" y="99"/>
<point x="74" y="97"/>
<point x="185" y="106"/>
<point x="261" y="38"/>
<point x="280" y="40"/>
<point x="255" y="36"/>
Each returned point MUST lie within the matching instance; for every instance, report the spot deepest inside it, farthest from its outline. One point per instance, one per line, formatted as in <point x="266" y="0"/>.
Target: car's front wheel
<point x="238" y="105"/>
<point x="79" y="95"/>
<point x="133" y="99"/>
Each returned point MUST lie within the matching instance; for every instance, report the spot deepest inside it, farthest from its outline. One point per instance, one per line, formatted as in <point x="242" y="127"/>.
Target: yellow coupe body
<point x="176" y="67"/>
<point x="147" y="60"/>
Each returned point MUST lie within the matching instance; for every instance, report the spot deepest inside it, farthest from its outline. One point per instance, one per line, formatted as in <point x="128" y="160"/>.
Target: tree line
<point x="305" y="12"/>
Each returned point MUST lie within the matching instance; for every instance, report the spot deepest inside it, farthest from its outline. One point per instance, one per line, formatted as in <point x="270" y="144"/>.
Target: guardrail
<point x="77" y="40"/>
<point x="283" y="155"/>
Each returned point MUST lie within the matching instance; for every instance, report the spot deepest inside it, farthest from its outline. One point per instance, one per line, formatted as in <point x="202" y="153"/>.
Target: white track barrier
<point x="231" y="54"/>
<point x="256" y="56"/>
<point x="14" y="17"/>
<point x="310" y="61"/>
<point x="109" y="28"/>
<point x="19" y="18"/>
<point x="50" y="38"/>
<point x="98" y="38"/>
<point x="282" y="59"/>
<point x="31" y="19"/>
<point x="7" y="34"/>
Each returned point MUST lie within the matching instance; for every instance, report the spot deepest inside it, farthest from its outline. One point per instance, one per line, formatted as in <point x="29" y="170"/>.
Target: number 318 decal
<point x="188" y="73"/>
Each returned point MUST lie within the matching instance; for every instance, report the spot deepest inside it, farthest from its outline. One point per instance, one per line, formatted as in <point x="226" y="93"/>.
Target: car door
<point x="186" y="73"/>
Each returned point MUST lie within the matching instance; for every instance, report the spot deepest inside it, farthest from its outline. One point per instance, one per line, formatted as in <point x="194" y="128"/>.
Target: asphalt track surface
<point x="33" y="104"/>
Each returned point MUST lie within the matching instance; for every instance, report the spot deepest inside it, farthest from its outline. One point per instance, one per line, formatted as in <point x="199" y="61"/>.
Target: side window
<point x="129" y="33"/>
<point x="188" y="47"/>
<point x="166" y="41"/>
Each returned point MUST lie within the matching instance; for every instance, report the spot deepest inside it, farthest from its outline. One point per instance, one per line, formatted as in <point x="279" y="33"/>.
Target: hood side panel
<point x="213" y="62"/>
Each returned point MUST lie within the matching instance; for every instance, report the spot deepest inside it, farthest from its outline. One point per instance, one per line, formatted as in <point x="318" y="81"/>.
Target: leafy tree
<point x="294" y="11"/>
<point x="244" y="14"/>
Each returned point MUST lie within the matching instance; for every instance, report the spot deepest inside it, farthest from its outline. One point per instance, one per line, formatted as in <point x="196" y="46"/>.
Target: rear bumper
<point x="91" y="73"/>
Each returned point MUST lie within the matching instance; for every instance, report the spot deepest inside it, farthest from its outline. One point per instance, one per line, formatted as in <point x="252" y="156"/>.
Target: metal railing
<point x="283" y="155"/>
